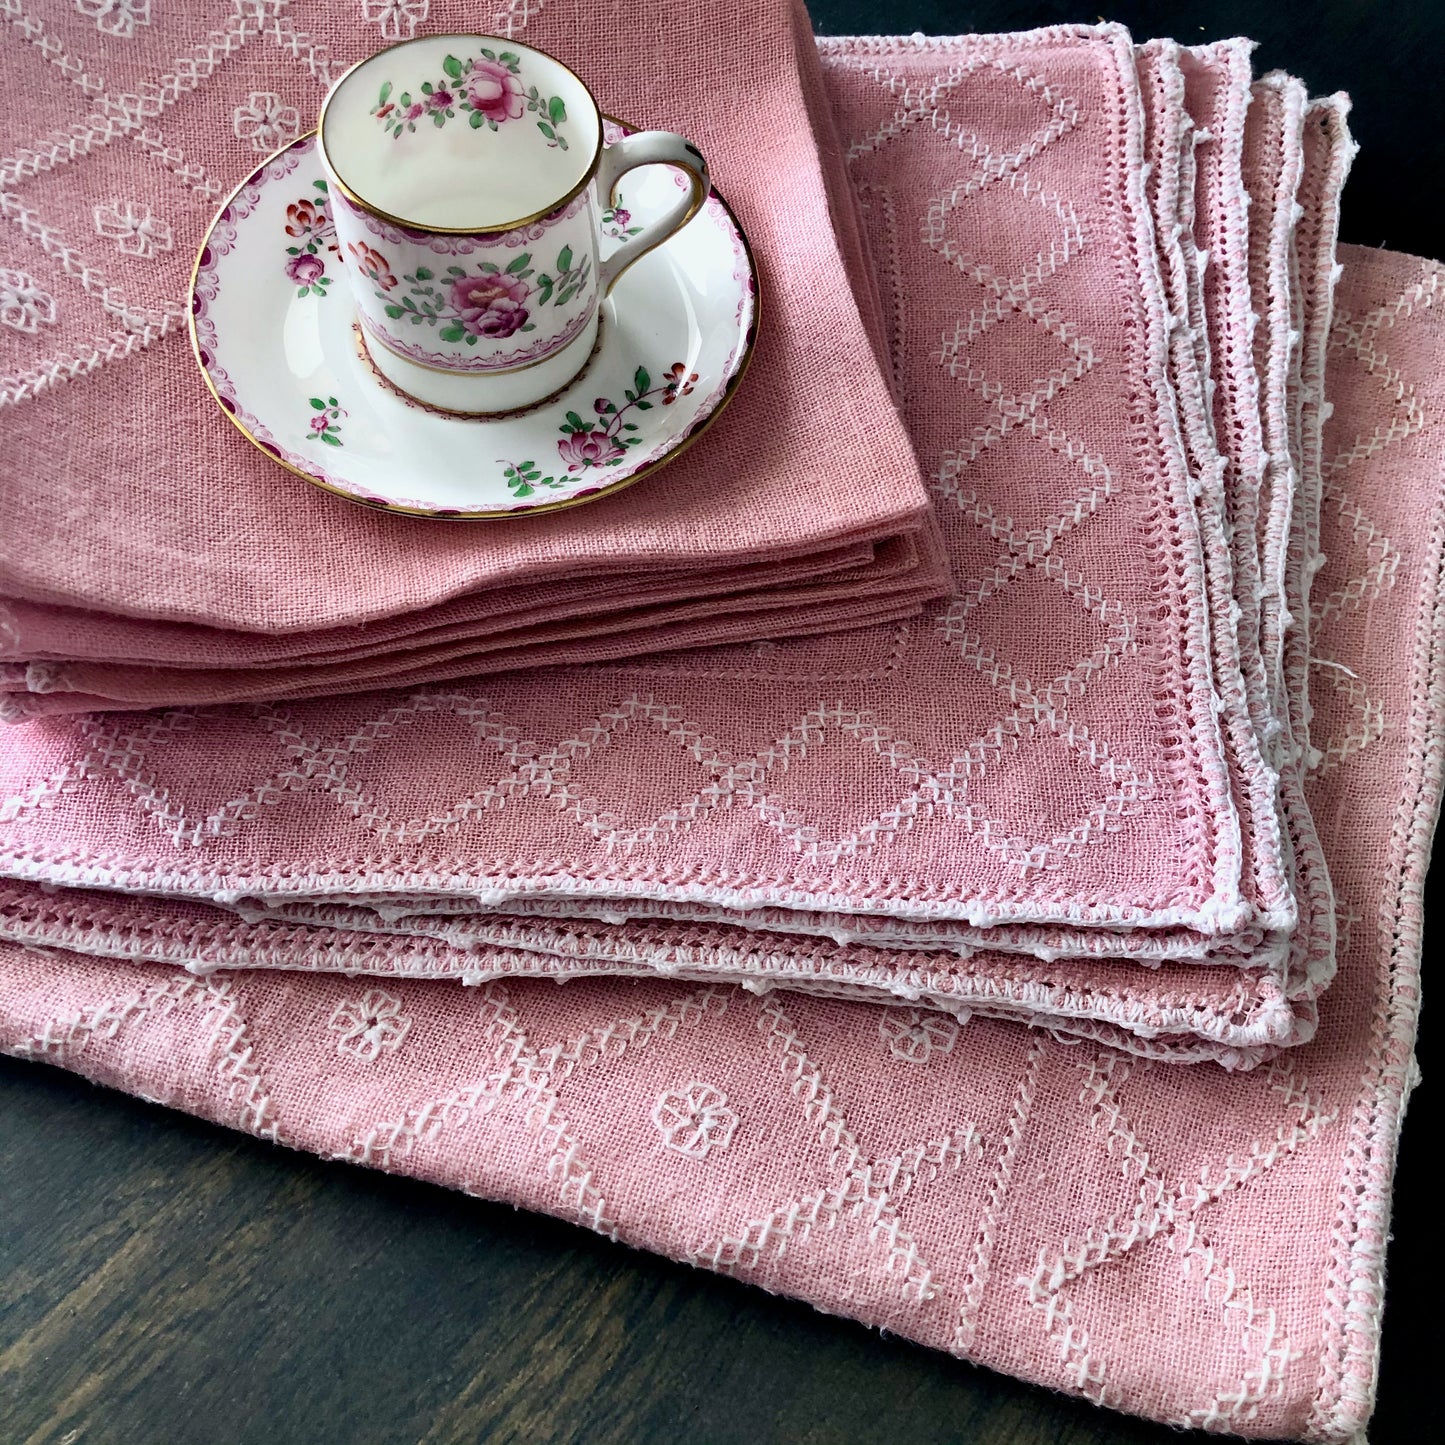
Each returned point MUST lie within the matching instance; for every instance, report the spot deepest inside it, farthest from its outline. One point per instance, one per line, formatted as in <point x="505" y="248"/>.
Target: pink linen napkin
<point x="213" y="535"/>
<point x="891" y="584"/>
<point x="977" y="1187"/>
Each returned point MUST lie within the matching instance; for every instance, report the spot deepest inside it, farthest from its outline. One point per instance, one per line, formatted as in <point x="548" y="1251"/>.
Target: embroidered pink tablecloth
<point x="1196" y="618"/>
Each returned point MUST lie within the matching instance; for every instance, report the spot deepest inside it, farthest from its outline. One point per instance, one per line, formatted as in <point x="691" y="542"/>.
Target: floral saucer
<point x="275" y="334"/>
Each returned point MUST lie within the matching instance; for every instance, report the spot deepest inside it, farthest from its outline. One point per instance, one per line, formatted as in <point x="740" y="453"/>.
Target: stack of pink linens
<point x="1193" y="612"/>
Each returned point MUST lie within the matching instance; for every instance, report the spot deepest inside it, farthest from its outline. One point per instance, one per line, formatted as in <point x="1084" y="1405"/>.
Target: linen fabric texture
<point x="1158" y="779"/>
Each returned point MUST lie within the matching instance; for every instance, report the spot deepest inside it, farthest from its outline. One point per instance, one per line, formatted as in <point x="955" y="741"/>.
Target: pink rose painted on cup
<point x="583" y="449"/>
<point x="491" y="305"/>
<point x="495" y="91"/>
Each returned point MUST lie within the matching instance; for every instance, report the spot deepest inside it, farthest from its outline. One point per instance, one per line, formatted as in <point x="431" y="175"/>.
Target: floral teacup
<point x="469" y="179"/>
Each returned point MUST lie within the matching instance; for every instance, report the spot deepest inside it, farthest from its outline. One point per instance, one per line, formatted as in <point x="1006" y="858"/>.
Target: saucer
<point x="275" y="334"/>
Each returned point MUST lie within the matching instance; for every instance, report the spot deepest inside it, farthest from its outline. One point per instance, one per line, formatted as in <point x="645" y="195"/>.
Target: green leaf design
<point x="515" y="266"/>
<point x="394" y="312"/>
<point x="331" y="439"/>
<point x="641" y="380"/>
<point x="332" y="401"/>
<point x="317" y="404"/>
<point x="385" y="92"/>
<point x="508" y="58"/>
<point x="489" y="55"/>
<point x="426" y="87"/>
<point x="476" y="120"/>
<point x="453" y="67"/>
<point x="455" y="271"/>
<point x="490" y="267"/>
<point x="556" y="110"/>
<point x="564" y="259"/>
<point x="577" y="423"/>
<point x="546" y="130"/>
<point x="322" y="187"/>
<point x="423" y="274"/>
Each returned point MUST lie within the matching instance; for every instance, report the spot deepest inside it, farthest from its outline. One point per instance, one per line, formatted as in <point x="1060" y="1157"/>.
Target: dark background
<point x="163" y="1282"/>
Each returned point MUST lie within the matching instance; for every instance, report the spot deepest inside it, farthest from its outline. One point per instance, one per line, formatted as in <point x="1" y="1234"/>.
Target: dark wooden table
<point x="163" y="1282"/>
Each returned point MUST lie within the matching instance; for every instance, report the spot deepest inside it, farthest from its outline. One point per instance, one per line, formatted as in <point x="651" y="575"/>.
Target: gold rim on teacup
<point x="413" y="225"/>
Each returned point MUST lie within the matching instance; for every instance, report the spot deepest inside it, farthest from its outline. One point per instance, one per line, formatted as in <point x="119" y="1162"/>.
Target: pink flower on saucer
<point x="495" y="91"/>
<point x="440" y="99"/>
<point x="305" y="268"/>
<point x="416" y="108"/>
<point x="320" y="423"/>
<point x="583" y="449"/>
<point x="491" y="305"/>
<point x="678" y="381"/>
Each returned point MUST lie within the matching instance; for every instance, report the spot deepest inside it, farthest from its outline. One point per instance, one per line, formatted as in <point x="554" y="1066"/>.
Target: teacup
<point x="467" y="176"/>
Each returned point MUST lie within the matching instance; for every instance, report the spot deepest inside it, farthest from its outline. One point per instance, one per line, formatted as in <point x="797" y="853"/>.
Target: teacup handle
<point x="650" y="148"/>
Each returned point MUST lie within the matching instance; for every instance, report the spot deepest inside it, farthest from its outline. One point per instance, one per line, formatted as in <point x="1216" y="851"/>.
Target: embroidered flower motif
<point x="134" y="228"/>
<point x="694" y="1120"/>
<point x="23" y="305"/>
<point x="116" y="17"/>
<point x="373" y="264"/>
<point x="398" y="18"/>
<point x="491" y="305"/>
<point x="369" y="1025"/>
<point x="913" y="1036"/>
<point x="266" y="121"/>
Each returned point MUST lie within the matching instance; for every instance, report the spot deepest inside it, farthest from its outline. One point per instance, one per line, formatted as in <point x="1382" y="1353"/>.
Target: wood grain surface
<point x="163" y="1282"/>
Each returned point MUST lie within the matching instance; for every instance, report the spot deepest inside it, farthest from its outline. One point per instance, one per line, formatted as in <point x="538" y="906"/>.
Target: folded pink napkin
<point x="208" y="574"/>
